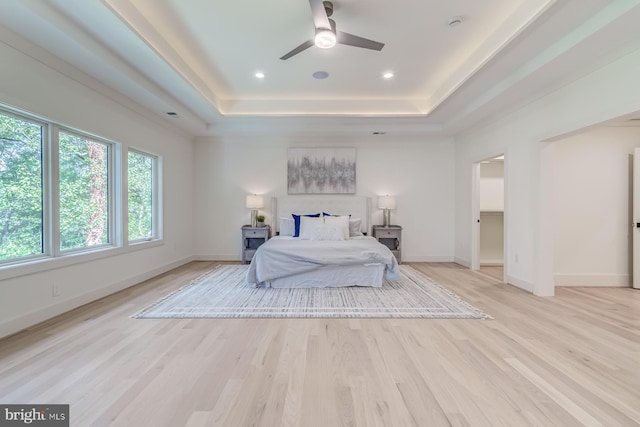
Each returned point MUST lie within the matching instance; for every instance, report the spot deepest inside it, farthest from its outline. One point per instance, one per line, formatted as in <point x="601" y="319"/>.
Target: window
<point x="142" y="179"/>
<point x="84" y="192"/>
<point x="21" y="188"/>
<point x="61" y="193"/>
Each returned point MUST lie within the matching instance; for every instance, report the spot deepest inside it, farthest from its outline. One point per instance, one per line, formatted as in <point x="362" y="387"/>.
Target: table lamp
<point x="387" y="203"/>
<point x="254" y="202"/>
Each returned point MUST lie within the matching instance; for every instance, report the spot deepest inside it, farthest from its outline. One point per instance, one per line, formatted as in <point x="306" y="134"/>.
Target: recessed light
<point x="320" y="75"/>
<point x="387" y="75"/>
<point x="259" y="75"/>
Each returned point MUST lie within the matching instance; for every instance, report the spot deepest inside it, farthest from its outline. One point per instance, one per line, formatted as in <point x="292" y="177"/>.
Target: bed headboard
<point x="356" y="206"/>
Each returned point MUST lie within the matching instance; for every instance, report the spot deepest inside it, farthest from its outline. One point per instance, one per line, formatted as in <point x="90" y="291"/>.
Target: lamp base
<point x="386" y="216"/>
<point x="254" y="217"/>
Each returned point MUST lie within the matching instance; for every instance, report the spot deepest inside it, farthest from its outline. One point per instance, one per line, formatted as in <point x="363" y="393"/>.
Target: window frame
<point x="156" y="198"/>
<point x="111" y="202"/>
<point x="45" y="136"/>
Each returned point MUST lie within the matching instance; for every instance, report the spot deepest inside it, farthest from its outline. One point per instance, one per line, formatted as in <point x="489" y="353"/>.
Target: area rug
<point x="224" y="293"/>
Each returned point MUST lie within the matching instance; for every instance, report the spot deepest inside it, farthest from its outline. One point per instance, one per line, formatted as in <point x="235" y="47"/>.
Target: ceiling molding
<point x="167" y="55"/>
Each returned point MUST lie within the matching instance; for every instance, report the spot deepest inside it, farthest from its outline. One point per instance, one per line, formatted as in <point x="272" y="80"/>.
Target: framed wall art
<point x="321" y="171"/>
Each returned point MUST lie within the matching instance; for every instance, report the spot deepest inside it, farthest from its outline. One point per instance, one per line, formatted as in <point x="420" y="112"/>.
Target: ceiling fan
<point x="326" y="34"/>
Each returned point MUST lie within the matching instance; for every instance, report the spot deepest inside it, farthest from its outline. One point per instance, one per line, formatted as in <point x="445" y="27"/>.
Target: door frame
<point x="475" y="216"/>
<point x="635" y="230"/>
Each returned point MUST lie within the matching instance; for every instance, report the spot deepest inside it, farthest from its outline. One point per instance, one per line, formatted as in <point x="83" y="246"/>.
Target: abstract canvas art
<point x="321" y="171"/>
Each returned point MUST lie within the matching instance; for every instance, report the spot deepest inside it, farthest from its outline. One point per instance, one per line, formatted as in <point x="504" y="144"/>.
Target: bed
<point x="304" y="262"/>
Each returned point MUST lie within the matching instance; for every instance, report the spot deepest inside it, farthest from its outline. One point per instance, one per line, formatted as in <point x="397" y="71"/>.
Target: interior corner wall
<point x="418" y="171"/>
<point x="604" y="94"/>
<point x="32" y="86"/>
<point x="592" y="207"/>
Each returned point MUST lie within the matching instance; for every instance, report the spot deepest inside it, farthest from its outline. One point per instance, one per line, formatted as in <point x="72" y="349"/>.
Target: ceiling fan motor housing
<point x="328" y="7"/>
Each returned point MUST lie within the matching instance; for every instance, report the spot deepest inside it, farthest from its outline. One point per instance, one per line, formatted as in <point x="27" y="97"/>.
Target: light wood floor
<point x="495" y="271"/>
<point x="570" y="360"/>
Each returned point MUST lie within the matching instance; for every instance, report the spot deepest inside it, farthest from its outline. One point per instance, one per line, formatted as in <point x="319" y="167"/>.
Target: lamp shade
<point x="386" y="202"/>
<point x="254" y="202"/>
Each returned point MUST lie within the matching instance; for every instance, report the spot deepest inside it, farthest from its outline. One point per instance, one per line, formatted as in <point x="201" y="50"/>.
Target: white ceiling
<point x="198" y="58"/>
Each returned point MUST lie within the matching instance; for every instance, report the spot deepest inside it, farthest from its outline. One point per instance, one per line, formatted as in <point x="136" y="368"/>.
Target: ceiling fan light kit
<point x="325" y="39"/>
<point x="326" y="34"/>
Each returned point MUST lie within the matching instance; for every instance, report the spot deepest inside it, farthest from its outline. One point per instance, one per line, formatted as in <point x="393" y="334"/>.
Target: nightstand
<point x="252" y="238"/>
<point x="391" y="237"/>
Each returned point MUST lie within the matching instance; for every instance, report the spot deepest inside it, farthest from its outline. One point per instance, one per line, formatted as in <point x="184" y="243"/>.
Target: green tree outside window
<point x="140" y="196"/>
<point x="21" y="194"/>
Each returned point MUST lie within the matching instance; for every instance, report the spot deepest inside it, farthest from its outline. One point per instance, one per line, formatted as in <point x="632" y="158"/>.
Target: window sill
<point x="39" y="265"/>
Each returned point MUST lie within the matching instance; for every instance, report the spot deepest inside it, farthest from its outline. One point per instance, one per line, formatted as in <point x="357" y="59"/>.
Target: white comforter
<point x="286" y="256"/>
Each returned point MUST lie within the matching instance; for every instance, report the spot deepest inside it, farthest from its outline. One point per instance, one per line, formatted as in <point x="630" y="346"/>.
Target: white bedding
<point x="330" y="276"/>
<point x="288" y="256"/>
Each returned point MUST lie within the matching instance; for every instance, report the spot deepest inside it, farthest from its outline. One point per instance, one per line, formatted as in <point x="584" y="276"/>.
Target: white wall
<point x="492" y="186"/>
<point x="418" y="172"/>
<point x="607" y="93"/>
<point x="28" y="84"/>
<point x="592" y="218"/>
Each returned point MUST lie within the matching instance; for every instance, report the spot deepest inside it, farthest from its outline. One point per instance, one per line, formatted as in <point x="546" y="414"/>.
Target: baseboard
<point x="519" y="283"/>
<point x="427" y="259"/>
<point x="596" y="280"/>
<point x="19" y="323"/>
<point x="491" y="262"/>
<point x="463" y="262"/>
<point x="232" y="257"/>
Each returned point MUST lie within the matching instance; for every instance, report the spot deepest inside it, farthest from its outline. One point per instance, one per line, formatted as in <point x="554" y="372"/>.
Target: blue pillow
<point x="296" y="222"/>
<point x="328" y="214"/>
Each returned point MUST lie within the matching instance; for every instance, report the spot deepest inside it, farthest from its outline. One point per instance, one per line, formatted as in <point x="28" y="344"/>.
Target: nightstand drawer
<point x="256" y="232"/>
<point x="388" y="234"/>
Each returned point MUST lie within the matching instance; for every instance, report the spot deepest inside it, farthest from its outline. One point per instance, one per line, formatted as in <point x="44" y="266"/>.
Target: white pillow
<point x="307" y="224"/>
<point x="286" y="226"/>
<point x="341" y="221"/>
<point x="354" y="227"/>
<point x="326" y="232"/>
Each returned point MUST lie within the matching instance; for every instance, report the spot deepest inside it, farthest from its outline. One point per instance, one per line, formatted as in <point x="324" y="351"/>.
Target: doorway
<point x="593" y="190"/>
<point x="488" y="254"/>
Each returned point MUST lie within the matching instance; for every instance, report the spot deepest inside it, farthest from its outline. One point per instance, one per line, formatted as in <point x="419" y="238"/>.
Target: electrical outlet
<point x="55" y="290"/>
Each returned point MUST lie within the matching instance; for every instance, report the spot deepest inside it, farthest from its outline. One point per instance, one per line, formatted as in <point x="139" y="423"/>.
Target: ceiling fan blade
<point x="320" y="18"/>
<point x="304" y="46"/>
<point x="351" y="40"/>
